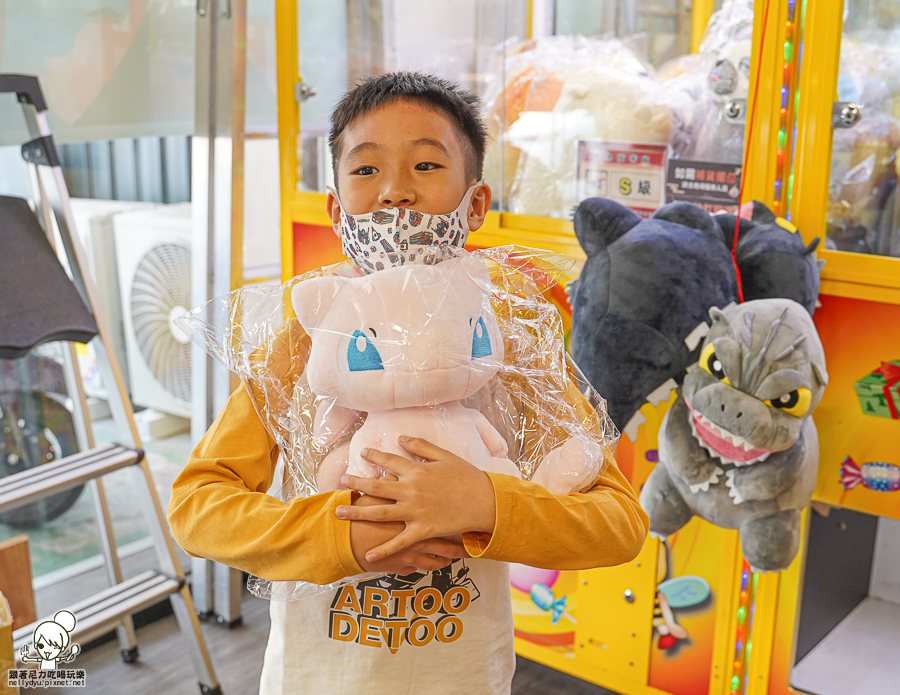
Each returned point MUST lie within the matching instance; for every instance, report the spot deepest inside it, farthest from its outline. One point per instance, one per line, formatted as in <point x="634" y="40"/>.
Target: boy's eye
<point x="426" y="166"/>
<point x="365" y="171"/>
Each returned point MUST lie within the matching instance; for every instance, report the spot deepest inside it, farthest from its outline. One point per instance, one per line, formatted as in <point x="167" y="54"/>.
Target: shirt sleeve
<point x="602" y="527"/>
<point x="220" y="510"/>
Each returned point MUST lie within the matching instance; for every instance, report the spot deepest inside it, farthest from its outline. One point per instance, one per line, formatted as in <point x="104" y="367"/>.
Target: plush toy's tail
<point x="850" y="474"/>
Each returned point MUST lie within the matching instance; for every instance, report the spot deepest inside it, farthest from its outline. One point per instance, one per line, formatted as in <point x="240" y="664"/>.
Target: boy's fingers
<point x="442" y="547"/>
<point x="375" y="512"/>
<point x="401" y="541"/>
<point x="377" y="487"/>
<point x="389" y="462"/>
<point x="430" y="563"/>
<point x="423" y="448"/>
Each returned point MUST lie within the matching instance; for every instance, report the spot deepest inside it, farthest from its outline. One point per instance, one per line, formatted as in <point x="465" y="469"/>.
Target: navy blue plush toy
<point x="641" y="305"/>
<point x="772" y="257"/>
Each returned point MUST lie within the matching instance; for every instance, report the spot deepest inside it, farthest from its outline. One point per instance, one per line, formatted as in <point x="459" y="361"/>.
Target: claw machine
<point x="833" y="618"/>
<point x="791" y="102"/>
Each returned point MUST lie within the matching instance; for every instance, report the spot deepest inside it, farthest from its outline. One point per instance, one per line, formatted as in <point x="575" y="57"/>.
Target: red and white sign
<point x="631" y="174"/>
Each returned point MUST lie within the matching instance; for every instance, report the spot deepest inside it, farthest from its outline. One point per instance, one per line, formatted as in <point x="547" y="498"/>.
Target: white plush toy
<point x="405" y="345"/>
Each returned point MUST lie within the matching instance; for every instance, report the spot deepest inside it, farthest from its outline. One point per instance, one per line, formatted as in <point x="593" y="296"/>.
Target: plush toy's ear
<point x="312" y="298"/>
<point x="727" y="223"/>
<point x="716" y="314"/>
<point x="690" y="215"/>
<point x="600" y="221"/>
<point x="821" y="374"/>
<point x="759" y="213"/>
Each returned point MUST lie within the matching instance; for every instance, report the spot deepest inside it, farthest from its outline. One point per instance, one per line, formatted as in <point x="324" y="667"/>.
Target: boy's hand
<point x="441" y="496"/>
<point x="430" y="554"/>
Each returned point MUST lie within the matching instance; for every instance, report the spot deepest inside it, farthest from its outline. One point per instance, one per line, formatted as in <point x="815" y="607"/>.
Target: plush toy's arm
<point x="681" y="453"/>
<point x="769" y="479"/>
<point x="570" y="466"/>
<point x="492" y="439"/>
<point x="365" y="438"/>
<point x="331" y="423"/>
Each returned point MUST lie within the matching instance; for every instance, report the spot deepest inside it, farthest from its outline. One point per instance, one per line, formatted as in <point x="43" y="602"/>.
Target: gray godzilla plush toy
<point x="738" y="447"/>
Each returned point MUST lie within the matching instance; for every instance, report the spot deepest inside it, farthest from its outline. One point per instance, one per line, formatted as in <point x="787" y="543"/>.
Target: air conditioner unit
<point x="153" y="248"/>
<point x="93" y="222"/>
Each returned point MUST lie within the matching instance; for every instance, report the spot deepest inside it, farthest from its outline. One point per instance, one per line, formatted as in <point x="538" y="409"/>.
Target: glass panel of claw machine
<point x="863" y="207"/>
<point x="340" y="43"/>
<point x="603" y="99"/>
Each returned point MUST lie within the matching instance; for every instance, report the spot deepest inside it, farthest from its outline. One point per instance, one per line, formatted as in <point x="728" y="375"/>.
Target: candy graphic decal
<point x="875" y="475"/>
<point x="546" y="600"/>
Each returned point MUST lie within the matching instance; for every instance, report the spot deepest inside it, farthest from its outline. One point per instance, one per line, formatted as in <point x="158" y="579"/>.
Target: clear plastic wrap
<point x="549" y="93"/>
<point x="732" y="22"/>
<point x="716" y="75"/>
<point x="863" y="206"/>
<point x="468" y="354"/>
<point x="556" y="90"/>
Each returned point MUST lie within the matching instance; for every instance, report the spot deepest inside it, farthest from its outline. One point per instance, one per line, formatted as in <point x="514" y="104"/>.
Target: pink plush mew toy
<point x="405" y="345"/>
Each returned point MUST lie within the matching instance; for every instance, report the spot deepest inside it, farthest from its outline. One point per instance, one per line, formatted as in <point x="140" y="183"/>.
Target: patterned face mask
<point x="395" y="236"/>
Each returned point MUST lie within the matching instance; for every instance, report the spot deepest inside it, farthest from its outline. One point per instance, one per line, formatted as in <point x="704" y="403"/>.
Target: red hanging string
<point x="737" y="222"/>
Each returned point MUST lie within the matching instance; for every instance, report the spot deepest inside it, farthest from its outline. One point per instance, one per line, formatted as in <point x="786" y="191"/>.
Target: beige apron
<point x="445" y="632"/>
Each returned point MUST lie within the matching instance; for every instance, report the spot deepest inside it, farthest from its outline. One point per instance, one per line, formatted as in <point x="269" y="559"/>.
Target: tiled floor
<point x="858" y="657"/>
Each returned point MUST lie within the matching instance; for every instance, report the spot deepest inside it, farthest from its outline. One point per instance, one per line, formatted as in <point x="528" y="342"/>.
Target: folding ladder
<point x="54" y="307"/>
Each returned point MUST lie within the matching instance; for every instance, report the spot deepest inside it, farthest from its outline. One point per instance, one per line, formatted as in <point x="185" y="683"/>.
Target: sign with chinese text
<point x="631" y="174"/>
<point x="715" y="187"/>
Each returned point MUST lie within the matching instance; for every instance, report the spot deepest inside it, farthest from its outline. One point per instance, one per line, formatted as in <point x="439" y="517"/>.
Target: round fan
<point x="160" y="292"/>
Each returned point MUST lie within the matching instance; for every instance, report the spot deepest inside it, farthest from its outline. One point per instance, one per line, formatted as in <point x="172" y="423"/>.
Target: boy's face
<point x="407" y="155"/>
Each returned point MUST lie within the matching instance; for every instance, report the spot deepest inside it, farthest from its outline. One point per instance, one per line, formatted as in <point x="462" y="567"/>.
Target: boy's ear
<point x="479" y="206"/>
<point x="333" y="210"/>
<point x="313" y="298"/>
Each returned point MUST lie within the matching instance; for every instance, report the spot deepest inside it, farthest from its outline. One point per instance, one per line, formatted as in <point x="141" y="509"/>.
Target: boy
<point x="412" y="141"/>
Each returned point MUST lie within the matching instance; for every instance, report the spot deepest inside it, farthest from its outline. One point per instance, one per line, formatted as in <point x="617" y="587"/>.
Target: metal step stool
<point x="40" y="302"/>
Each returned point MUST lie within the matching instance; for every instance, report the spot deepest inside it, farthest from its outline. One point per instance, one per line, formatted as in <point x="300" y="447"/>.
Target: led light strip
<point x="790" y="190"/>
<point x="742" y="644"/>
<point x="787" y="110"/>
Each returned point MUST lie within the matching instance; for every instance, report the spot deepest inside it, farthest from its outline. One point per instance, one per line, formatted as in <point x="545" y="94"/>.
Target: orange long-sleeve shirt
<point x="219" y="510"/>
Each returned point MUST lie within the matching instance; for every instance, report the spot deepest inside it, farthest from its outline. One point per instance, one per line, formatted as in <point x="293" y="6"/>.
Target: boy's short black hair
<point x="460" y="106"/>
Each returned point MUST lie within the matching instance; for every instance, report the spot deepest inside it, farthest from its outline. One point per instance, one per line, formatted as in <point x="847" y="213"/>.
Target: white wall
<point x="885" y="582"/>
<point x="262" y="208"/>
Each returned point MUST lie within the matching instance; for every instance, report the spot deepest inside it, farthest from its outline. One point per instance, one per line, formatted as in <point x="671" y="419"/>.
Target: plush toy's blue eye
<point x="362" y="355"/>
<point x="481" y="341"/>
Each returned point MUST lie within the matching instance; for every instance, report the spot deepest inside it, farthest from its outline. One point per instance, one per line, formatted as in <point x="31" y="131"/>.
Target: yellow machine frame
<point x="613" y="637"/>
